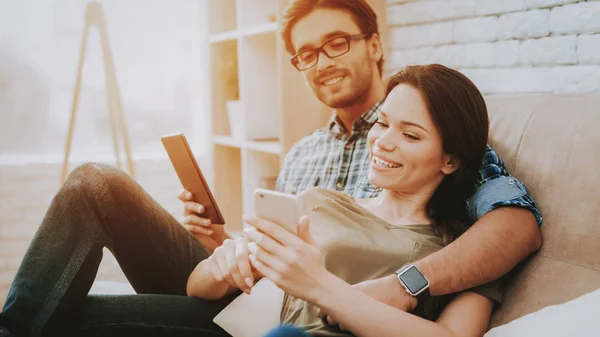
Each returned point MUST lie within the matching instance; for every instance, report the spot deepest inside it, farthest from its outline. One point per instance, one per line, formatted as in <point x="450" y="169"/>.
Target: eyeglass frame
<point x="319" y="50"/>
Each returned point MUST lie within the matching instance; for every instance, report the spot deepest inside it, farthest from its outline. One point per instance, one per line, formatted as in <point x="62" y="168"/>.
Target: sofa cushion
<point x="552" y="144"/>
<point x="574" y="318"/>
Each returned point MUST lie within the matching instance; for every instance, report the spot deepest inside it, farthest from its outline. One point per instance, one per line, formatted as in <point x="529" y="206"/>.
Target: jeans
<point x="100" y="206"/>
<point x="287" y="331"/>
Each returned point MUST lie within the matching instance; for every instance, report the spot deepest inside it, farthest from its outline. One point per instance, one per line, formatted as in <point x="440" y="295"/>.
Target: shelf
<point x="270" y="146"/>
<point x="224" y="36"/>
<point x="227" y="141"/>
<point x="250" y="31"/>
<point x="260" y="29"/>
<point x="248" y="62"/>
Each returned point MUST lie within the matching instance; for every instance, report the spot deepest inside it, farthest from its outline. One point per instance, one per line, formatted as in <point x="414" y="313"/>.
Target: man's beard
<point x="358" y="90"/>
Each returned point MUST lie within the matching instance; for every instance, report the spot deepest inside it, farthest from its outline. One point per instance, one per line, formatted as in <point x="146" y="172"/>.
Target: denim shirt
<point x="497" y="188"/>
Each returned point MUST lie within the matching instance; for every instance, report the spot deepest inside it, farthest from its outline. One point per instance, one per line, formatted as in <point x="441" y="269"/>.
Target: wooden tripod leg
<point x="114" y="131"/>
<point x="75" y="102"/>
<point x="123" y="127"/>
<point x="95" y="16"/>
<point x="114" y="98"/>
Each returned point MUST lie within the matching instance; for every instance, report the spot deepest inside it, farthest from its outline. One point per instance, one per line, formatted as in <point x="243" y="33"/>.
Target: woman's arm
<point x="467" y="315"/>
<point x="295" y="264"/>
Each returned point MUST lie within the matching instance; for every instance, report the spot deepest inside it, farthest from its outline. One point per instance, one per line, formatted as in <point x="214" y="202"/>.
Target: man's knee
<point x="93" y="177"/>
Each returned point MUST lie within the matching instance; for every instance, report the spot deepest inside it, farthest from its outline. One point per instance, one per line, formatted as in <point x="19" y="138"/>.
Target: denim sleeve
<point x="503" y="191"/>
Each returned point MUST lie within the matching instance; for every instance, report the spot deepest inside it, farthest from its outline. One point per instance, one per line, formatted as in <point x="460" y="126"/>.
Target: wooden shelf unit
<point x="277" y="109"/>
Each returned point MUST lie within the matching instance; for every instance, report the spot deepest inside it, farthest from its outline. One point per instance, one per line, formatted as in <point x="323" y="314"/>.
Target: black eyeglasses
<point x="335" y="47"/>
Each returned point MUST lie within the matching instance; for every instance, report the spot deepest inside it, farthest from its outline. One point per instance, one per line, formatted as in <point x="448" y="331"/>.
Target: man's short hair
<point x="363" y="15"/>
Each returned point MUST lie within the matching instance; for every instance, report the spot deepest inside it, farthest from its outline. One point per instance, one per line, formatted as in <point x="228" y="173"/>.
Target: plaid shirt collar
<point x="364" y="122"/>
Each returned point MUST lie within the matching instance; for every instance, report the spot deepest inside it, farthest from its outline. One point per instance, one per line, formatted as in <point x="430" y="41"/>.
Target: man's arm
<point x="489" y="249"/>
<point x="494" y="245"/>
<point x="506" y="232"/>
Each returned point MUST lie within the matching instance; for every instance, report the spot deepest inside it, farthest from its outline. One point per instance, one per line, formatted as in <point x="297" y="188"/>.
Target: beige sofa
<point x="552" y="143"/>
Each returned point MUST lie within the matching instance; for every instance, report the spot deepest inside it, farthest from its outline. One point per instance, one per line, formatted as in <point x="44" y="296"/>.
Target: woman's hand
<point x="293" y="263"/>
<point x="230" y="262"/>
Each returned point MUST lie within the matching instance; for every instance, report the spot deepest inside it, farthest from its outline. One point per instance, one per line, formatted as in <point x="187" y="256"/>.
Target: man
<point x="99" y="206"/>
<point x="335" y="46"/>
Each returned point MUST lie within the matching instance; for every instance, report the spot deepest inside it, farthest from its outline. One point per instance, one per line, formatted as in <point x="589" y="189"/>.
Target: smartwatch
<point x="415" y="283"/>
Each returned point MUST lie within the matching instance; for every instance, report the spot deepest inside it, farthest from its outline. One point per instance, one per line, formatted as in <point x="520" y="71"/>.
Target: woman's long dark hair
<point x="458" y="111"/>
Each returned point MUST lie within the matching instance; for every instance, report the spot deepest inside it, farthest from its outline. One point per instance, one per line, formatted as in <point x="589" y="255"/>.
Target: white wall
<point x="158" y="48"/>
<point x="504" y="46"/>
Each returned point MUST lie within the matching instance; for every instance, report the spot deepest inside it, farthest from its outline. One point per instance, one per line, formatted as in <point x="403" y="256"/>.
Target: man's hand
<point x="387" y="290"/>
<point x="211" y="236"/>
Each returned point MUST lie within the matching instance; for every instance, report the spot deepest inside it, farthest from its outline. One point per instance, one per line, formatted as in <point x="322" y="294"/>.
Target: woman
<point x="425" y="150"/>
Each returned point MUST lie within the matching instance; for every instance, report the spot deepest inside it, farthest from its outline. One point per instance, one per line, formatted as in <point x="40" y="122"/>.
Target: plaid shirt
<point x="332" y="158"/>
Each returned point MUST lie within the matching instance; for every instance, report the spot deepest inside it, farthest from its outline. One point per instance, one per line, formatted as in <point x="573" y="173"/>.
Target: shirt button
<point x="339" y="186"/>
<point x="511" y="181"/>
<point x="294" y="190"/>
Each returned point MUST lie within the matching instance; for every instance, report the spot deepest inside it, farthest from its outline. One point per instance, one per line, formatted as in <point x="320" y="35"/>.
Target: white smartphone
<point x="277" y="207"/>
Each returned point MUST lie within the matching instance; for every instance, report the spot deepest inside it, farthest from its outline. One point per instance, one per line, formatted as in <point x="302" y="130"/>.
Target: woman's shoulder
<point x="311" y="198"/>
<point x="321" y="193"/>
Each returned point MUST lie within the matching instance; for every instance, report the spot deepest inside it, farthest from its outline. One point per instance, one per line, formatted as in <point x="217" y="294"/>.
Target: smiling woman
<point x="436" y="129"/>
<point x="425" y="148"/>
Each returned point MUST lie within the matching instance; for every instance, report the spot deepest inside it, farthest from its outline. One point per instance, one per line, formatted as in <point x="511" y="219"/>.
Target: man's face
<point x="341" y="81"/>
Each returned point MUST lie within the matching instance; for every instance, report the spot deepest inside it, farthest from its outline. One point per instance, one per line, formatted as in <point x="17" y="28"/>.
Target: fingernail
<point x="252" y="247"/>
<point x="188" y="195"/>
<point x="249" y="282"/>
<point x="210" y="232"/>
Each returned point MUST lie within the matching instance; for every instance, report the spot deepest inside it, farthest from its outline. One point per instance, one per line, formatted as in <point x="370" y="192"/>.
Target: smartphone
<point x="190" y="175"/>
<point x="277" y="207"/>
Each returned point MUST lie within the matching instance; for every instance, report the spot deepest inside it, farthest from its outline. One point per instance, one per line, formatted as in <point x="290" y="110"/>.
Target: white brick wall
<point x="522" y="25"/>
<point x="588" y="49"/>
<point x="576" y="18"/>
<point x="506" y="46"/>
<point x="549" y="50"/>
<point x="427" y="35"/>
<point x="476" y="30"/>
<point x="487" y="7"/>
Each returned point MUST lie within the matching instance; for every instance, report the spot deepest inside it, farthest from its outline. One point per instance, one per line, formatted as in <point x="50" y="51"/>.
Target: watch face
<point x="413" y="280"/>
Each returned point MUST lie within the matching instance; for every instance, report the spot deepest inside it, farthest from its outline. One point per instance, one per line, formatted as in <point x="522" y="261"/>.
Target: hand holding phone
<point x="193" y="215"/>
<point x="200" y="207"/>
<point x="191" y="177"/>
<point x="277" y="207"/>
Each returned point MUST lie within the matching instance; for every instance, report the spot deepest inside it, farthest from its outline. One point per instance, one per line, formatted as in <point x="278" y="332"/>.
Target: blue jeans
<point x="287" y="331"/>
<point x="100" y="206"/>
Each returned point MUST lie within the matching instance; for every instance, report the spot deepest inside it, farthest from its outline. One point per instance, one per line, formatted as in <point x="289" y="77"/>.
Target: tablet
<point x="190" y="175"/>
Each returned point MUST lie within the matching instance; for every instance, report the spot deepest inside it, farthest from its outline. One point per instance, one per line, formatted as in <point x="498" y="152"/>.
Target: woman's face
<point x="405" y="146"/>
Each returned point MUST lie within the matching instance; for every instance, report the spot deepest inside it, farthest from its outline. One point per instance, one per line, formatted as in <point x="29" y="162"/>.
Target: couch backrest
<point x="552" y="144"/>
